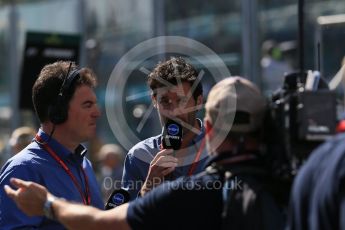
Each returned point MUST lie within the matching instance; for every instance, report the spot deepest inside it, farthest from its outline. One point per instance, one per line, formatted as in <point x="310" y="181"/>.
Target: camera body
<point x="300" y="118"/>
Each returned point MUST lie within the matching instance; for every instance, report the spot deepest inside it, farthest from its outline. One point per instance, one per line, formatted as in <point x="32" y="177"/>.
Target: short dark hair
<point x="173" y="71"/>
<point x="47" y="86"/>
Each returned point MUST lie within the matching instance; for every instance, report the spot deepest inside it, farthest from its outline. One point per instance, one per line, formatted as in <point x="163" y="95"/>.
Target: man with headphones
<point x="66" y="106"/>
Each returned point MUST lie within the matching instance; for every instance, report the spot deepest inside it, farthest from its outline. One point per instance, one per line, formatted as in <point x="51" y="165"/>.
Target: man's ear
<point x="198" y="103"/>
<point x="208" y="127"/>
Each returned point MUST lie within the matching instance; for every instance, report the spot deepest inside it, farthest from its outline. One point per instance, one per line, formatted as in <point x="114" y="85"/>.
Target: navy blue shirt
<point x="179" y="204"/>
<point x="196" y="202"/>
<point x="35" y="164"/>
<point x="318" y="198"/>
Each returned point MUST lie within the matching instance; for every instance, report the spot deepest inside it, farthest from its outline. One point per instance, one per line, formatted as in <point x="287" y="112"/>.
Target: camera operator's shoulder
<point x="332" y="144"/>
<point x="326" y="150"/>
<point x="340" y="137"/>
<point x="336" y="140"/>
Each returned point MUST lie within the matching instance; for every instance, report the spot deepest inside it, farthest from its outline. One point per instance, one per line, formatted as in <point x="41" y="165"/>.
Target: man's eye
<point x="87" y="105"/>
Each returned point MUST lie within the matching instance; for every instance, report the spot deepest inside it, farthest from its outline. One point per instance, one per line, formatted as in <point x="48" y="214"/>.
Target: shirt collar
<point x="61" y="150"/>
<point x="202" y="132"/>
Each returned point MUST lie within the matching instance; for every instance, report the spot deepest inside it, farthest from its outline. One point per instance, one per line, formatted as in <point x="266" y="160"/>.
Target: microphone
<point x="117" y="197"/>
<point x="172" y="135"/>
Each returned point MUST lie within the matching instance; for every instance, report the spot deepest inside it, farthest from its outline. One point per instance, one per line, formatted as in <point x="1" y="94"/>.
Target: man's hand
<point x="29" y="196"/>
<point x="161" y="165"/>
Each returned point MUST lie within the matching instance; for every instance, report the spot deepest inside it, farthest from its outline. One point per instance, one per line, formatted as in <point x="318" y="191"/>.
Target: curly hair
<point x="174" y="70"/>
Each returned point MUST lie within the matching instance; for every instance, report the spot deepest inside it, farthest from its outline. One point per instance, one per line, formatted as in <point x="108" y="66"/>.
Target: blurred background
<point x="257" y="39"/>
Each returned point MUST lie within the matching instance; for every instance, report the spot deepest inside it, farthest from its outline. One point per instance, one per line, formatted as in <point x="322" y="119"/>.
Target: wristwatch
<point x="47" y="207"/>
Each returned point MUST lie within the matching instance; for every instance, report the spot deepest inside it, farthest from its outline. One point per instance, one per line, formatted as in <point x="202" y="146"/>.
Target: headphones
<point x="58" y="112"/>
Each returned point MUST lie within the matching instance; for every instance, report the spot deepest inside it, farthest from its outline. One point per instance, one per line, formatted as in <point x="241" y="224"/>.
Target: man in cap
<point x="234" y="115"/>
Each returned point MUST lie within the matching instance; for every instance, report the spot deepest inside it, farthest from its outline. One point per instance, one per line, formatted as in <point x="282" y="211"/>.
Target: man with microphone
<point x="178" y="150"/>
<point x="234" y="117"/>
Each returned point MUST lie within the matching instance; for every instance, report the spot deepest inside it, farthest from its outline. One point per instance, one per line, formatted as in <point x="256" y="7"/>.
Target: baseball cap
<point x="236" y="104"/>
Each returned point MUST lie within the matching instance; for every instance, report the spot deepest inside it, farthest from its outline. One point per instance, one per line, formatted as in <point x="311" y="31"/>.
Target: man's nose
<point x="176" y="109"/>
<point x="97" y="112"/>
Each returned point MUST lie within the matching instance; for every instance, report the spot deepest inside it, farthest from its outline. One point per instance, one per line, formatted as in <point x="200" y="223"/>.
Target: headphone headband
<point x="68" y="81"/>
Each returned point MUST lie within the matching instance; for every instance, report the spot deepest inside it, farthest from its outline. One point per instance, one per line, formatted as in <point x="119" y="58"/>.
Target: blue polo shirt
<point x="137" y="162"/>
<point x="35" y="164"/>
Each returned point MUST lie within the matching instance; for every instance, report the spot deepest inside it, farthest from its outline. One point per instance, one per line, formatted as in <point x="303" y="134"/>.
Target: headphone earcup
<point x="58" y="113"/>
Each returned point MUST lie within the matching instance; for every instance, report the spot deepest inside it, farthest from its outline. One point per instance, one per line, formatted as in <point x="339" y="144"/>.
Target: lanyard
<point x="85" y="196"/>
<point x="197" y="157"/>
